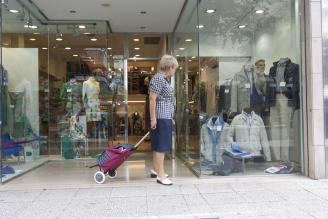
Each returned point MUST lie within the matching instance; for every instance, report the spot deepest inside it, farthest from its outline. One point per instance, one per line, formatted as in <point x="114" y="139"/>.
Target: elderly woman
<point x="162" y="110"/>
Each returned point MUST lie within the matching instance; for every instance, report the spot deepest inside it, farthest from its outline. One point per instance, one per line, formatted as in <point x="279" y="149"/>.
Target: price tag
<point x="69" y="90"/>
<point x="219" y="128"/>
<point x="248" y="85"/>
<point x="282" y="84"/>
<point x="226" y="91"/>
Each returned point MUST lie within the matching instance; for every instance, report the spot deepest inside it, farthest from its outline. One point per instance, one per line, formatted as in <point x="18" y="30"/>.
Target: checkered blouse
<point x="165" y="106"/>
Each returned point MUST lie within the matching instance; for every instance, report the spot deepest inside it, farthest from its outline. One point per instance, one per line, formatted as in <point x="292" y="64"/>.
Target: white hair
<point x="167" y="62"/>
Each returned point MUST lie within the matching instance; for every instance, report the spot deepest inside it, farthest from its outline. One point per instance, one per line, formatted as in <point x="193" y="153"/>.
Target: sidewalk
<point x="253" y="197"/>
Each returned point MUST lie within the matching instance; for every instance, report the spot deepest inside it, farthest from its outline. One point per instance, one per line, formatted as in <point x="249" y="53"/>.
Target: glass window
<point x="248" y="86"/>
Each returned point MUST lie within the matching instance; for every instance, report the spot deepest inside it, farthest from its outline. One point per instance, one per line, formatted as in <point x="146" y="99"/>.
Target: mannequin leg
<point x="275" y="131"/>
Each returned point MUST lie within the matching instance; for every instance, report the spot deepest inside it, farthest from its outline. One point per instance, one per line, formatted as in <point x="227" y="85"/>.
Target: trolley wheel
<point x="99" y="177"/>
<point x="112" y="174"/>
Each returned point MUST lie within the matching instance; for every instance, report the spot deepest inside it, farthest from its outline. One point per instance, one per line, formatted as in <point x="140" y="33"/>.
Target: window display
<point x="248" y="114"/>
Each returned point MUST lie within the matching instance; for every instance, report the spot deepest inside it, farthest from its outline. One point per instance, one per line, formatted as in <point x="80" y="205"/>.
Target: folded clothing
<point x="7" y="170"/>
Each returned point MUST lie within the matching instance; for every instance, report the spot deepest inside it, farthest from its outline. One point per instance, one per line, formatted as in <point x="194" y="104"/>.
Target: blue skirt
<point x="161" y="137"/>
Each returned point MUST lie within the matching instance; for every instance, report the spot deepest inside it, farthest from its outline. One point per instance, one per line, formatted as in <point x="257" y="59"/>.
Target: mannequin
<point x="247" y="89"/>
<point x="136" y="124"/>
<point x="71" y="93"/>
<point x="90" y="96"/>
<point x="283" y="100"/>
<point x="248" y="131"/>
<point x="210" y="78"/>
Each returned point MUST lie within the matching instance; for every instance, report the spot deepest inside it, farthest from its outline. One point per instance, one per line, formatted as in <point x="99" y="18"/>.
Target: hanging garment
<point x="136" y="124"/>
<point x="224" y="97"/>
<point x="76" y="130"/>
<point x="90" y="96"/>
<point x="71" y="93"/>
<point x="244" y="92"/>
<point x="210" y="77"/>
<point x="214" y="138"/>
<point x="250" y="134"/>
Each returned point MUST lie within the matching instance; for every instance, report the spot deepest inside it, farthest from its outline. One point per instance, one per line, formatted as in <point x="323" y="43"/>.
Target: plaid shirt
<point x="165" y="106"/>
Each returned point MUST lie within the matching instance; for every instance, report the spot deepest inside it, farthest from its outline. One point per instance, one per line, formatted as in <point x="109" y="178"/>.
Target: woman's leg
<point x="155" y="166"/>
<point x="160" y="164"/>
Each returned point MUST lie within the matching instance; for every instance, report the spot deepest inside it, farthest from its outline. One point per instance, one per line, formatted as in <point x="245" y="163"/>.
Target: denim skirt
<point x="161" y="137"/>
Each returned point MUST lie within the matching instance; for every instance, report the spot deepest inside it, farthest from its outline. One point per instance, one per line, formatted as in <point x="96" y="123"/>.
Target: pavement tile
<point x="260" y="196"/>
<point x="282" y="186"/>
<point x="11" y="209"/>
<point x="92" y="193"/>
<point x="128" y="191"/>
<point x="247" y="186"/>
<point x="163" y="190"/>
<point x="197" y="204"/>
<point x="126" y="206"/>
<point x="220" y="198"/>
<point x="316" y="208"/>
<point x="188" y="189"/>
<point x="15" y="196"/>
<point x="322" y="193"/>
<point x="214" y="188"/>
<point x="57" y="194"/>
<point x="167" y="205"/>
<point x="297" y="195"/>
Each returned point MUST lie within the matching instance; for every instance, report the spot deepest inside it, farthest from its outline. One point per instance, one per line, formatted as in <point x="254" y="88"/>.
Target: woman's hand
<point x="153" y="124"/>
<point x="173" y="122"/>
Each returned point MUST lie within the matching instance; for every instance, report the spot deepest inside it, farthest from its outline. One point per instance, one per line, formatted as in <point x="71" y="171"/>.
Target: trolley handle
<point x="141" y="140"/>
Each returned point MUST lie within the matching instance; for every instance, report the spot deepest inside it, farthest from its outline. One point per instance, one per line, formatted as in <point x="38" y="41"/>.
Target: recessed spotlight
<point x="44" y="48"/>
<point x="37" y="33"/>
<point x="82" y="26"/>
<point x="241" y="26"/>
<point x="193" y="57"/>
<point x="143" y="12"/>
<point x="26" y="26"/>
<point x="32" y="39"/>
<point x="110" y="55"/>
<point x="210" y="11"/>
<point x="67" y="48"/>
<point x="105" y="5"/>
<point x="137" y="55"/>
<point x="200" y="26"/>
<point x="143" y="27"/>
<point x="5" y="44"/>
<point x="137" y="48"/>
<point x="33" y="27"/>
<point x="188" y="40"/>
<point x="75" y="55"/>
<point x="93" y="39"/>
<point x="87" y="33"/>
<point x="14" y="11"/>
<point x="189" y="60"/>
<point x="136" y="40"/>
<point x="177" y="55"/>
<point x="72" y="11"/>
<point x="260" y="11"/>
<point x="181" y="48"/>
<point x="109" y="48"/>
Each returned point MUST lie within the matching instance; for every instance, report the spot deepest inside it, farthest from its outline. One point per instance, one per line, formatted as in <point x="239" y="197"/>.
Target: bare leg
<point x="160" y="163"/>
<point x="155" y="166"/>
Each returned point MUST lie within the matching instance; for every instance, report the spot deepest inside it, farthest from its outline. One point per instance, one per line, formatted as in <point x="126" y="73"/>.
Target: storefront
<point x="239" y="87"/>
<point x="248" y="93"/>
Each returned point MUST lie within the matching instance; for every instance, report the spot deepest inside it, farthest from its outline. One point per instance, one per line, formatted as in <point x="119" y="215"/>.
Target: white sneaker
<point x="153" y="174"/>
<point x="165" y="182"/>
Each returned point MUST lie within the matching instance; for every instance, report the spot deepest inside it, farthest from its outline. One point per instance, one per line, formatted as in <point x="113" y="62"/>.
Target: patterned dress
<point x="90" y="93"/>
<point x="71" y="93"/>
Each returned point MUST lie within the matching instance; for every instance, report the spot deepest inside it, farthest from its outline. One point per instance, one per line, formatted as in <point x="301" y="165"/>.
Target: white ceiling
<point x="123" y="15"/>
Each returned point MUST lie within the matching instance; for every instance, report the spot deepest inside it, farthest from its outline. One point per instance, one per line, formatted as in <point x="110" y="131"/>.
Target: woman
<point x="162" y="110"/>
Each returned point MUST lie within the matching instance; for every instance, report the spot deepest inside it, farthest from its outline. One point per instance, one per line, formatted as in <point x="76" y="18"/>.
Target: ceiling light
<point x="110" y="55"/>
<point x="181" y="48"/>
<point x="210" y="11"/>
<point x="189" y="60"/>
<point x="67" y="48"/>
<point x="93" y="39"/>
<point x="75" y="55"/>
<point x="36" y="33"/>
<point x="44" y="48"/>
<point x="200" y="26"/>
<point x="188" y="40"/>
<point x="137" y="55"/>
<point x="143" y="12"/>
<point x="82" y="26"/>
<point x="177" y="55"/>
<point x="59" y="36"/>
<point x="136" y="40"/>
<point x="32" y="39"/>
<point x="193" y="57"/>
<point x="241" y="26"/>
<point x="26" y="25"/>
<point x="72" y="11"/>
<point x="260" y="11"/>
<point x="109" y="48"/>
<point x="137" y="48"/>
<point x="33" y="27"/>
<point x="87" y="33"/>
<point x="14" y="11"/>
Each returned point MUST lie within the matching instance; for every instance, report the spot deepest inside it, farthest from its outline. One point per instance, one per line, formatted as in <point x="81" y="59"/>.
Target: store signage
<point x="118" y="61"/>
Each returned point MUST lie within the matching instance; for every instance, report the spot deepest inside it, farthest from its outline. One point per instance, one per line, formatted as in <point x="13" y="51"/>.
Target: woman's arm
<point x="152" y="109"/>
